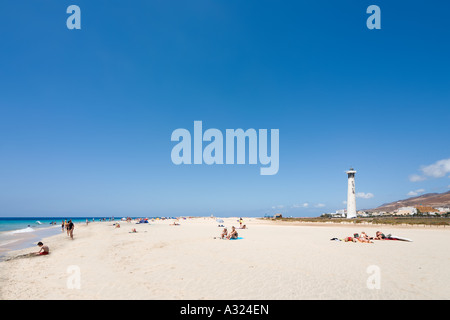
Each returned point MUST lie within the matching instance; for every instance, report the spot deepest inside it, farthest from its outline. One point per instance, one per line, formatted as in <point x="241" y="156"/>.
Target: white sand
<point x="273" y="261"/>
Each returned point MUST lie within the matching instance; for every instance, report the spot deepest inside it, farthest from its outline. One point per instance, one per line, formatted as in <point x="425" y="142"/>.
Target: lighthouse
<point x="351" y="197"/>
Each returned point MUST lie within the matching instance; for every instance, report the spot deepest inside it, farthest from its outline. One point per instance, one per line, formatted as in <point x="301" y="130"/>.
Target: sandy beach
<point x="273" y="261"/>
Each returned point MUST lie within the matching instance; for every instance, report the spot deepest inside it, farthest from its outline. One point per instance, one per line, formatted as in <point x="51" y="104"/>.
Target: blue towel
<point x="238" y="238"/>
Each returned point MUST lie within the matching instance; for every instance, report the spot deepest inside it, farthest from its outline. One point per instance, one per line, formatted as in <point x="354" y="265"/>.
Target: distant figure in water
<point x="43" y="251"/>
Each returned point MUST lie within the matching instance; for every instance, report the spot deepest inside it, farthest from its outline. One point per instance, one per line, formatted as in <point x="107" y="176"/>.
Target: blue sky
<point x="86" y="115"/>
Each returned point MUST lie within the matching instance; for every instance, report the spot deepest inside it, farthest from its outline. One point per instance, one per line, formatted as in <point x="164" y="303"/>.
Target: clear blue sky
<point x="86" y="115"/>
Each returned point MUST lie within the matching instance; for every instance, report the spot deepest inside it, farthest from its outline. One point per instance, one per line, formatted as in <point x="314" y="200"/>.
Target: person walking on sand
<point x="63" y="225"/>
<point x="70" y="228"/>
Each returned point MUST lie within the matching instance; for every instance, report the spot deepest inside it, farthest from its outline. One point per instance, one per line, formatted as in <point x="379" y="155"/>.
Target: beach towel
<point x="391" y="237"/>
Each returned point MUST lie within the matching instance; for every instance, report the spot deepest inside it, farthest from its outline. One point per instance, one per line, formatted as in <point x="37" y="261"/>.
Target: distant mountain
<point x="428" y="199"/>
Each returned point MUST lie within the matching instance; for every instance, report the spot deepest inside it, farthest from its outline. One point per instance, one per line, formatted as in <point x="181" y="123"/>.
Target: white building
<point x="406" y="211"/>
<point x="363" y="214"/>
<point x="339" y="214"/>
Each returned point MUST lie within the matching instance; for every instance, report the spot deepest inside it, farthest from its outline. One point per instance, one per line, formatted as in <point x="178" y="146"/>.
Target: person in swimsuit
<point x="70" y="228"/>
<point x="233" y="234"/>
<point x="347" y="239"/>
<point x="380" y="235"/>
<point x="364" y="238"/>
<point x="44" y="249"/>
<point x="224" y="233"/>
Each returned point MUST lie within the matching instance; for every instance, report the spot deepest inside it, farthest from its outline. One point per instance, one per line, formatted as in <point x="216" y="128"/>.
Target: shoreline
<point x="12" y="241"/>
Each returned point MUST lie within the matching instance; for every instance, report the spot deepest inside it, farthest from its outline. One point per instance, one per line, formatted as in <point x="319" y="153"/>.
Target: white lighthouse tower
<point x="351" y="197"/>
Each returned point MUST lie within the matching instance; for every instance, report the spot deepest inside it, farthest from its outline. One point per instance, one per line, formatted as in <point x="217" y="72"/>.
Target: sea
<point x="26" y="232"/>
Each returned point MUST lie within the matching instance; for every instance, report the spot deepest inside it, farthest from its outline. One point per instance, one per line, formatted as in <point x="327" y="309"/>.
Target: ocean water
<point x="20" y="233"/>
<point x="23" y="224"/>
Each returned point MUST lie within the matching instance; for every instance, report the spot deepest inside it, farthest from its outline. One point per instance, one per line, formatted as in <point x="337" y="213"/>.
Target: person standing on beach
<point x="63" y="225"/>
<point x="70" y="228"/>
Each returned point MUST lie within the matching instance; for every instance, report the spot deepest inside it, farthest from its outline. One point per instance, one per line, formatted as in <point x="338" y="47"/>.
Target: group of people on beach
<point x="44" y="249"/>
<point x="232" y="235"/>
<point x="364" y="238"/>
<point x="69" y="227"/>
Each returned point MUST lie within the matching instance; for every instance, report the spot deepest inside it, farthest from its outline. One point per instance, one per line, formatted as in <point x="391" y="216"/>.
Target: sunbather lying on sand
<point x="364" y="238"/>
<point x="380" y="236"/>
